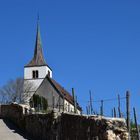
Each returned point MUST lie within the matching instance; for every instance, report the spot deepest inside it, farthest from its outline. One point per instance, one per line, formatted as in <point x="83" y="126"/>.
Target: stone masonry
<point x="55" y="126"/>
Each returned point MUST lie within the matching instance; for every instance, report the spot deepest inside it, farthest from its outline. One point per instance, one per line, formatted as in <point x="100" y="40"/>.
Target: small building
<point x="38" y="73"/>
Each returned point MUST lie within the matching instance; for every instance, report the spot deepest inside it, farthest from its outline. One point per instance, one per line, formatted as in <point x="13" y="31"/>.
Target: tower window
<point x="35" y="74"/>
<point x="49" y="73"/>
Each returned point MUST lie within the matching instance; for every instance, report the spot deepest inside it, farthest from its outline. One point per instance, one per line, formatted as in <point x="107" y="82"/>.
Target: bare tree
<point x="15" y="91"/>
<point x="28" y="91"/>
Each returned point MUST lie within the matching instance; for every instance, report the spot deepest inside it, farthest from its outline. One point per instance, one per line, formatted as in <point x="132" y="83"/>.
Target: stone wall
<point x="63" y="126"/>
<point x="12" y="112"/>
<point x="76" y="127"/>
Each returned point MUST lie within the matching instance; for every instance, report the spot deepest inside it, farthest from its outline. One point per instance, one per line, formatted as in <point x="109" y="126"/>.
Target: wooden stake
<point x="101" y="111"/>
<point x="128" y="111"/>
<point x="91" y="108"/>
<point x="115" y="115"/>
<point x="112" y="113"/>
<point x="119" y="106"/>
<point x="136" y="124"/>
<point x="87" y="109"/>
<point x="73" y="94"/>
<point x="75" y="104"/>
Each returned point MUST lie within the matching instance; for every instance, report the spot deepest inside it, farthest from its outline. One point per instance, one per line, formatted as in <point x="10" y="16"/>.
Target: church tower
<point x="37" y="69"/>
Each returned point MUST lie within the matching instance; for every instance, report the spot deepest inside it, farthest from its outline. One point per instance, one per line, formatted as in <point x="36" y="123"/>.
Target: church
<point x="40" y="75"/>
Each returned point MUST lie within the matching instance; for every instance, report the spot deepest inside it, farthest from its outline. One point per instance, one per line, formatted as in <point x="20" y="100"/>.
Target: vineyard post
<point x="73" y="94"/>
<point x="136" y="124"/>
<point x="128" y="111"/>
<point x="87" y="109"/>
<point x="112" y="113"/>
<point x="101" y="110"/>
<point x="91" y="107"/>
<point x="115" y="115"/>
<point x="119" y="106"/>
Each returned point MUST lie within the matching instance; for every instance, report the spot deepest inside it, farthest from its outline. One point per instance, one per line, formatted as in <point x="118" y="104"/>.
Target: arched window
<point x="35" y="74"/>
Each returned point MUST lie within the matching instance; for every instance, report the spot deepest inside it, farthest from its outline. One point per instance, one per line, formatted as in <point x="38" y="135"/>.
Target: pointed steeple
<point x="38" y="59"/>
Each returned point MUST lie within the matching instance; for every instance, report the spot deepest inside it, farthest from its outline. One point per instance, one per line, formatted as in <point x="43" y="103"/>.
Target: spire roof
<point x="38" y="59"/>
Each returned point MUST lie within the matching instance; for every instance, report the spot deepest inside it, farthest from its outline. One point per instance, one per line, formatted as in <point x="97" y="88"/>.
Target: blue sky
<point x="89" y="44"/>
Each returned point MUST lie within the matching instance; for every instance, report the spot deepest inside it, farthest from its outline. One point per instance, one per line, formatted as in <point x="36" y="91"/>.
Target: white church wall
<point x="35" y="83"/>
<point x="43" y="71"/>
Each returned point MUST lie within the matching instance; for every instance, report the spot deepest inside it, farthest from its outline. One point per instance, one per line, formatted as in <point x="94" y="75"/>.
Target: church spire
<point x="38" y="59"/>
